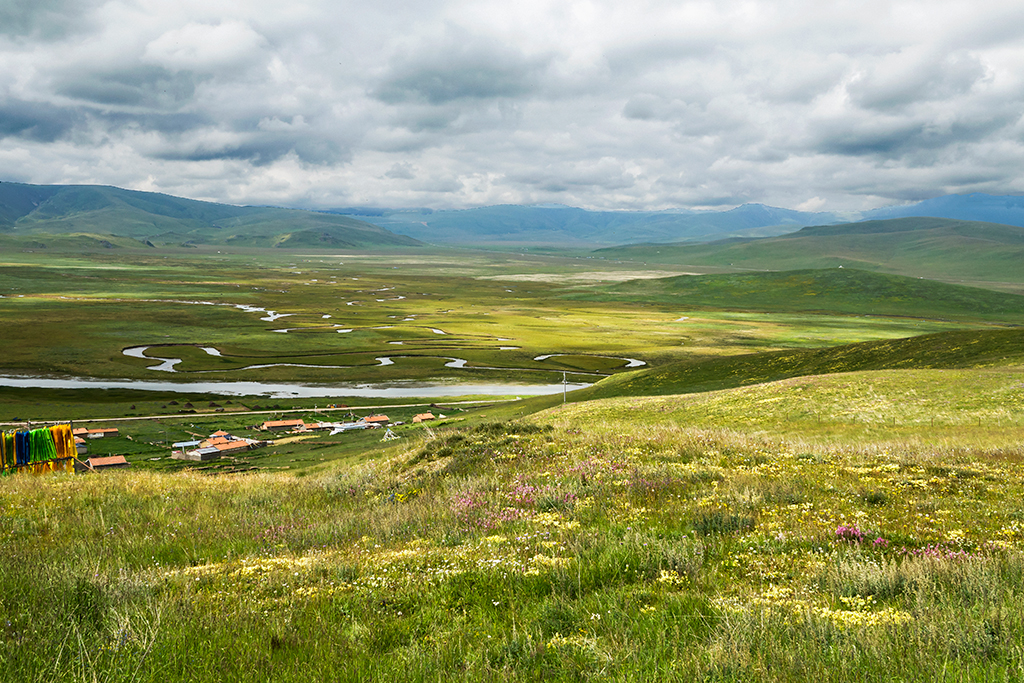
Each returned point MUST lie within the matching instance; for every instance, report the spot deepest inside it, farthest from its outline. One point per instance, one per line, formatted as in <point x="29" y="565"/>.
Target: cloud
<point x="460" y="68"/>
<point x="140" y="86"/>
<point x="37" y="121"/>
<point x="44" y="19"/>
<point x="205" y="47"/>
<point x="601" y="104"/>
<point x="401" y="171"/>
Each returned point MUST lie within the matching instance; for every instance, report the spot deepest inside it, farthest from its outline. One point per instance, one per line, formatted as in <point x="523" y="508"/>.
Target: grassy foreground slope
<point x="935" y="248"/>
<point x="959" y="349"/>
<point x="630" y="539"/>
<point x="836" y="290"/>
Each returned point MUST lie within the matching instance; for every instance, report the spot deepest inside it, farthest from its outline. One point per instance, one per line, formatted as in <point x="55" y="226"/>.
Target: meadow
<point x="298" y="317"/>
<point x="779" y="494"/>
<point x="823" y="530"/>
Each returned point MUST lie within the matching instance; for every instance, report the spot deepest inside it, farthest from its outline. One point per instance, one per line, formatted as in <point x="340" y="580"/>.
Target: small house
<point x="423" y="417"/>
<point x="282" y="425"/>
<point x="107" y="462"/>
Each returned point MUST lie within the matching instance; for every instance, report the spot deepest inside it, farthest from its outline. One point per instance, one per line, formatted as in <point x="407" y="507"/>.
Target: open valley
<point x="729" y="476"/>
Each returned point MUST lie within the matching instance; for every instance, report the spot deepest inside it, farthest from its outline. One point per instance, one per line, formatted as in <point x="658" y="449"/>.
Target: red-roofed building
<point x="108" y="462"/>
<point x="232" y="446"/>
<point x="282" y="425"/>
<point x="377" y="419"/>
<point x="100" y="432"/>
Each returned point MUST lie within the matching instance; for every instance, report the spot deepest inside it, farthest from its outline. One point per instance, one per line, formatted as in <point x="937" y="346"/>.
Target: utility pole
<point x="564" y="384"/>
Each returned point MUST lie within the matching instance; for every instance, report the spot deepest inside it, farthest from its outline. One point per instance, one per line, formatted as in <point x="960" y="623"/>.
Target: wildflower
<point x="852" y="534"/>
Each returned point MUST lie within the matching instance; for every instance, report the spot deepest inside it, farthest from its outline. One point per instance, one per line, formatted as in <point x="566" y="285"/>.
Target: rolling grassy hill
<point x="935" y="248"/>
<point x="31" y="210"/>
<point x="69" y="242"/>
<point x="960" y="349"/>
<point x="836" y="290"/>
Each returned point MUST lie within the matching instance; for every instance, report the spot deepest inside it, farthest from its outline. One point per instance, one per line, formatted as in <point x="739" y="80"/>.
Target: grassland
<point x="782" y="493"/>
<point x="790" y="531"/>
<point x="74" y="315"/>
<point x="834" y="290"/>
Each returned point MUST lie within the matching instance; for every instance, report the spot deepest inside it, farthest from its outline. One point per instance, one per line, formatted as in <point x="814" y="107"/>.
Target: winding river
<point x="167" y="364"/>
<point x="287" y="390"/>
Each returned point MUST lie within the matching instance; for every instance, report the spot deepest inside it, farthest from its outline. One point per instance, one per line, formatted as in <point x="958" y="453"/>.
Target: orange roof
<point x="231" y="446"/>
<point x="104" y="430"/>
<point x="220" y="432"/>
<point x="79" y="439"/>
<point x="377" y="418"/>
<point x="79" y="430"/>
<point x="423" y="416"/>
<point x="107" y="461"/>
<point x="282" y="423"/>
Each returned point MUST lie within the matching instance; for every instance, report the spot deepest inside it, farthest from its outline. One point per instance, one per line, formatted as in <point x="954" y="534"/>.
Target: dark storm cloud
<point x="151" y="87"/>
<point x="170" y="123"/>
<point x="37" y="121"/>
<point x="260" y="148"/>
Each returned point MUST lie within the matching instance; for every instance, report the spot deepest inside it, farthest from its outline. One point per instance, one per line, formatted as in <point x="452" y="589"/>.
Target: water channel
<point x="287" y="390"/>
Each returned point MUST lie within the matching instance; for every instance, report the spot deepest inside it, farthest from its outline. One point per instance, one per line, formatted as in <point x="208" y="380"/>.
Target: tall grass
<point x="583" y="551"/>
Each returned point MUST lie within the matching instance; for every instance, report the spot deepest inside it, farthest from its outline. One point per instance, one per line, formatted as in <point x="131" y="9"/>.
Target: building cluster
<point x="301" y="426"/>
<point x="217" y="445"/>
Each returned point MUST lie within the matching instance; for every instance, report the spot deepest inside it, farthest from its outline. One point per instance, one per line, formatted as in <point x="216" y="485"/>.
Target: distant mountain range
<point x="31" y="214"/>
<point x="514" y="225"/>
<point x="567" y="226"/>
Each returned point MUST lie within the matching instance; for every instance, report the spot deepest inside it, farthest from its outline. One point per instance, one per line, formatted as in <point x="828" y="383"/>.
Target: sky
<point x="827" y="105"/>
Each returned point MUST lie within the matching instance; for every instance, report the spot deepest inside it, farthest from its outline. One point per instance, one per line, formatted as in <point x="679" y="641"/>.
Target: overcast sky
<point x="616" y="105"/>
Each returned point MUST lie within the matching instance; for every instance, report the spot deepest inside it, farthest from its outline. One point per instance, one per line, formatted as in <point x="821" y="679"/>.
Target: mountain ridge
<point x="27" y="210"/>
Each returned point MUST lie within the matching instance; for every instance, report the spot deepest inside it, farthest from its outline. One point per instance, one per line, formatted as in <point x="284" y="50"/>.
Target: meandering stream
<point x="167" y="364"/>
<point x="287" y="390"/>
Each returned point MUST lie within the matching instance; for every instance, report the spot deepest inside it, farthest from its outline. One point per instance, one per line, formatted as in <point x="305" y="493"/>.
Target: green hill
<point x="959" y="349"/>
<point x="835" y="290"/>
<point x="31" y="211"/>
<point x="69" y="242"/>
<point x="935" y="248"/>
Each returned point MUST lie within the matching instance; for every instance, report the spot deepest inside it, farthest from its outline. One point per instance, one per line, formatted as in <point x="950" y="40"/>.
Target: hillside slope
<point x="959" y="349"/>
<point x="836" y="290"/>
<point x="27" y="210"/>
<point x="936" y="248"/>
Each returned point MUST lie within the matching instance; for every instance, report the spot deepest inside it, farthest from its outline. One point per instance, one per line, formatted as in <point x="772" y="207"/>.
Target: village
<point x="49" y="449"/>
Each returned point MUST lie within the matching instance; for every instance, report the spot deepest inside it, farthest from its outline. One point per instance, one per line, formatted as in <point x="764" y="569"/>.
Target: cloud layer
<point x="834" y="106"/>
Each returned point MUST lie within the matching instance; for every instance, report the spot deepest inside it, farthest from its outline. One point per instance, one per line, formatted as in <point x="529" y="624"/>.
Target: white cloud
<point x="205" y="47"/>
